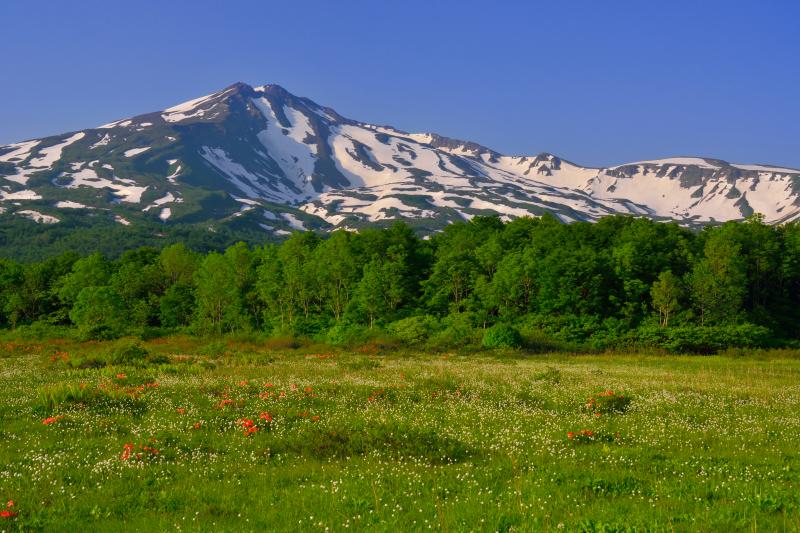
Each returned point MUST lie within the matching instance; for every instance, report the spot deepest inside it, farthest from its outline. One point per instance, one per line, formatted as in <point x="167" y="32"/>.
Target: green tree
<point x="336" y="272"/>
<point x="718" y="280"/>
<point x="99" y="313"/>
<point x="666" y="293"/>
<point x="219" y="305"/>
<point x="178" y="263"/>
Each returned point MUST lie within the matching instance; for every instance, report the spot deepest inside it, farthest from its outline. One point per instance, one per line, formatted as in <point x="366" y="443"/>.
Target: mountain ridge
<point x="264" y="157"/>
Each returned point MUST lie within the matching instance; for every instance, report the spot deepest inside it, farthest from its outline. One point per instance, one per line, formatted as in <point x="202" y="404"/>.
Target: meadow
<point x="186" y="434"/>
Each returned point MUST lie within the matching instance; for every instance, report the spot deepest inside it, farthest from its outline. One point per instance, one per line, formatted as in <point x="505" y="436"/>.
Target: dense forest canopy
<point x="622" y="281"/>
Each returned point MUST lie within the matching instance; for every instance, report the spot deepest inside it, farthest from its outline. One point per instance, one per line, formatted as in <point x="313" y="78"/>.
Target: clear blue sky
<point x="597" y="82"/>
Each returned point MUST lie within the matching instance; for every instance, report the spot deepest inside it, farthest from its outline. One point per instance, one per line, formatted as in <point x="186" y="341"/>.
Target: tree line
<point x="621" y="281"/>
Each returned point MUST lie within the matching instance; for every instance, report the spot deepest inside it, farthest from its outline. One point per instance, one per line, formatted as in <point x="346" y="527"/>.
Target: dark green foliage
<point x="133" y="353"/>
<point x="99" y="313"/>
<point x="415" y="329"/>
<point x="622" y="282"/>
<point x="502" y="336"/>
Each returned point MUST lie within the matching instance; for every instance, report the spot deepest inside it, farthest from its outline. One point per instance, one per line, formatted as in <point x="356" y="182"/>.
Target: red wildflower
<point x="246" y="423"/>
<point x="308" y="389"/>
<point x="197" y="425"/>
<point x="570" y="435"/>
<point x="243" y="383"/>
<point x="264" y="395"/>
<point x="10" y="504"/>
<point x="249" y="431"/>
<point x="5" y="513"/>
<point x="293" y="387"/>
<point x="597" y="415"/>
<point x="315" y="418"/>
<point x="126" y="451"/>
<point x="181" y="411"/>
<point x="266" y="417"/>
<point x="51" y="419"/>
<point x="267" y="385"/>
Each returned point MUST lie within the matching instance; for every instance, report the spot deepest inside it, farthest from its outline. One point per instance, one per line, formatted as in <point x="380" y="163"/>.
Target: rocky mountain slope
<point x="264" y="158"/>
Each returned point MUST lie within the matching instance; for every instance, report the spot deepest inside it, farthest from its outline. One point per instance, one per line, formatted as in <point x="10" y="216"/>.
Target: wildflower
<point x="315" y="418"/>
<point x="597" y="415"/>
<point x="121" y="376"/>
<point x="293" y="387"/>
<point x="181" y="411"/>
<point x="308" y="389"/>
<point x="243" y="383"/>
<point x="264" y="395"/>
<point x="266" y="417"/>
<point x="246" y="423"/>
<point x="197" y="425"/>
<point x="51" y="420"/>
<point x="5" y="513"/>
<point x="126" y="451"/>
<point x="268" y="385"/>
<point x="250" y="430"/>
<point x="10" y="504"/>
<point x="570" y="435"/>
<point x="223" y="403"/>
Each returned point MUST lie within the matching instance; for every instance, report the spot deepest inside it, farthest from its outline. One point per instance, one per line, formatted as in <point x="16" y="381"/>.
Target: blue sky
<point x="594" y="82"/>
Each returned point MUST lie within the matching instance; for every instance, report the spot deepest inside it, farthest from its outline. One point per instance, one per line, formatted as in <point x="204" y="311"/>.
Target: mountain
<point x="264" y="159"/>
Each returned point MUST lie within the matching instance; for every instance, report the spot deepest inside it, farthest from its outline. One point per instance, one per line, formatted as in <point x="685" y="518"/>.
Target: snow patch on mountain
<point x="48" y="156"/>
<point x="286" y="145"/>
<point x="38" y="217"/>
<point x="136" y="151"/>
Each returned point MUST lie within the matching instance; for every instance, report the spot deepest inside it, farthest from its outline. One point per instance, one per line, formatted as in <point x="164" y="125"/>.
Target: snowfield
<point x="264" y="147"/>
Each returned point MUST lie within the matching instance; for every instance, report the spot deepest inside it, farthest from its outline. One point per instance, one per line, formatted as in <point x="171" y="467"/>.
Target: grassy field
<point x="190" y="436"/>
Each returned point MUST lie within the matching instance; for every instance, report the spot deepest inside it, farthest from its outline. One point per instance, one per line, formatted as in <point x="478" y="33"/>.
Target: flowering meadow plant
<point x="414" y="442"/>
<point x="608" y="402"/>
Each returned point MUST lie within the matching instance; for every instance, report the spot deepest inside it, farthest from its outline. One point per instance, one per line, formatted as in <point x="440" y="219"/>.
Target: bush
<point x="414" y="329"/>
<point x="701" y="339"/>
<point x="132" y="353"/>
<point x="502" y="336"/>
<point x="99" y="313"/>
<point x="309" y="326"/>
<point x="608" y="402"/>
<point x="345" y="334"/>
<point x="458" y="332"/>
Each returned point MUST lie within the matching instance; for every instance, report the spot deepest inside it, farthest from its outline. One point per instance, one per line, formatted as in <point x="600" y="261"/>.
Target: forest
<point x="534" y="283"/>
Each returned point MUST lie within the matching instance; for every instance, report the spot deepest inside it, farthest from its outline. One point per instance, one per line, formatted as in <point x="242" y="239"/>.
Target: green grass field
<point x="239" y="437"/>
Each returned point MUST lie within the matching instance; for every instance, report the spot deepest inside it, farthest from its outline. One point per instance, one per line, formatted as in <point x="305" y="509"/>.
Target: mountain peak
<point x="265" y="159"/>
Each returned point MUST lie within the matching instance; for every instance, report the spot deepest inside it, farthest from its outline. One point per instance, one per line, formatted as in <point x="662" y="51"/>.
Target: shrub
<point x="308" y="326"/>
<point x="458" y="332"/>
<point x="414" y="329"/>
<point x="345" y="334"/>
<point x="132" y="353"/>
<point x="502" y="336"/>
<point x="701" y="339"/>
<point x="99" y="313"/>
<point x="608" y="402"/>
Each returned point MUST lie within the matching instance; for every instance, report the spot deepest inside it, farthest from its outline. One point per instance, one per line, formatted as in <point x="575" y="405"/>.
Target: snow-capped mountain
<point x="262" y="156"/>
